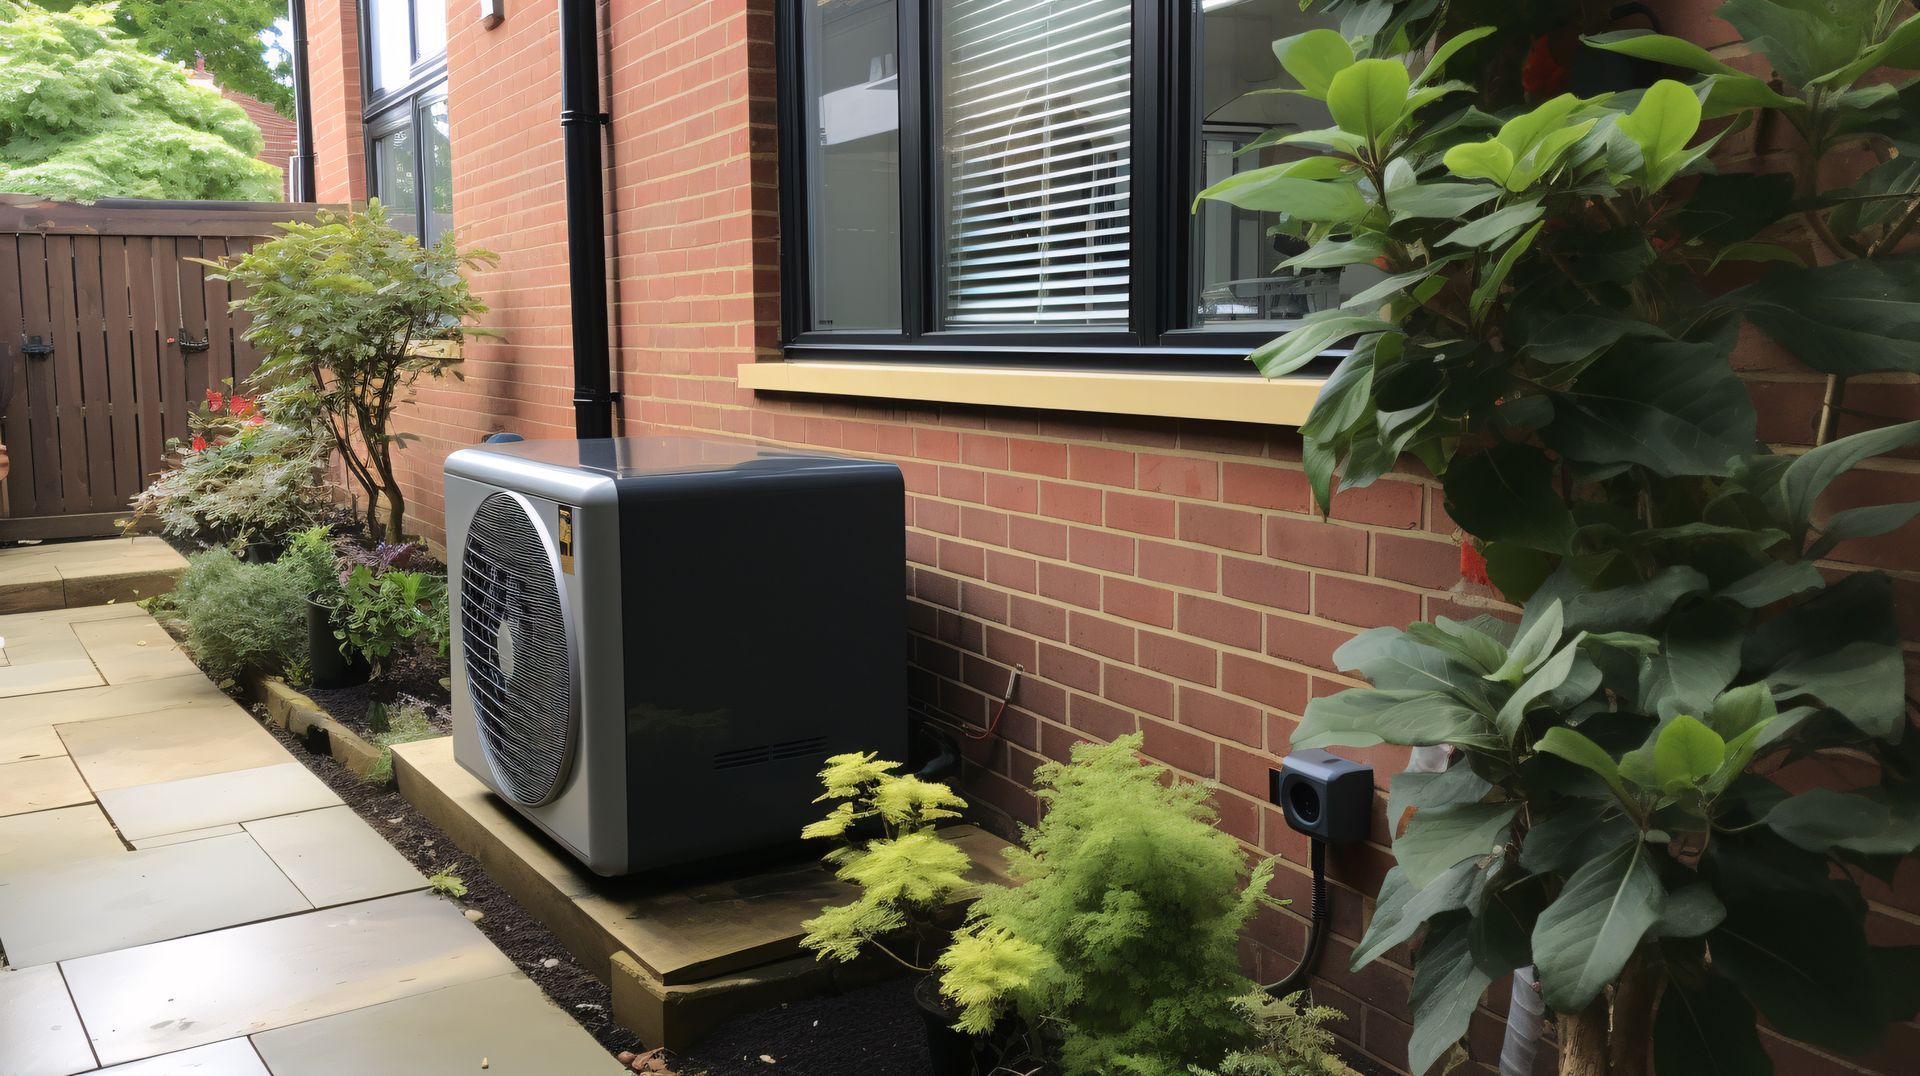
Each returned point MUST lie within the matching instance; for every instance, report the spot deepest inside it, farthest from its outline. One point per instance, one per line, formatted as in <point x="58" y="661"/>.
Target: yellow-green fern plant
<point x="1119" y="949"/>
<point x="884" y="823"/>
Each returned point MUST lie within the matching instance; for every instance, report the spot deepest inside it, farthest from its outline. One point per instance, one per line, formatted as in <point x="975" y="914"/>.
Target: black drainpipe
<point x="580" y="124"/>
<point x="302" y="164"/>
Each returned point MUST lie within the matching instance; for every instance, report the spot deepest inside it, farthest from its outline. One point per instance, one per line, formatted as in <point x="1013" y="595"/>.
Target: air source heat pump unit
<point x="657" y="641"/>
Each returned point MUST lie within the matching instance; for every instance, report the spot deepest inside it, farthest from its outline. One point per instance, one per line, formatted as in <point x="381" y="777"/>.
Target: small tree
<point x="85" y="114"/>
<point x="341" y="308"/>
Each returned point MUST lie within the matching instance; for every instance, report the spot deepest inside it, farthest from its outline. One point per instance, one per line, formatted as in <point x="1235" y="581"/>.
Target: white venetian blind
<point x="1035" y="121"/>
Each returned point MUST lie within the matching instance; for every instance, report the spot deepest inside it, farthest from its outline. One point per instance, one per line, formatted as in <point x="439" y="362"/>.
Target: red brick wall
<point x="1156" y="575"/>
<point x="333" y="66"/>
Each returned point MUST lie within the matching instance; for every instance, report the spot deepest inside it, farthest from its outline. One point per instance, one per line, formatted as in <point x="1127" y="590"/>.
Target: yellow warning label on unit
<point x="566" y="539"/>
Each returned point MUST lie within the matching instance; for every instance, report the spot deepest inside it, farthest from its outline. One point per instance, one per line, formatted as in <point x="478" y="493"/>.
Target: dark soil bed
<point x="873" y="1031"/>
<point x="417" y="676"/>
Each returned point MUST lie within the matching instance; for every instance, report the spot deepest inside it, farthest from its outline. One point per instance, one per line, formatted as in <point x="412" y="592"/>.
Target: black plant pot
<point x="265" y="551"/>
<point x="951" y="1052"/>
<point x="329" y="666"/>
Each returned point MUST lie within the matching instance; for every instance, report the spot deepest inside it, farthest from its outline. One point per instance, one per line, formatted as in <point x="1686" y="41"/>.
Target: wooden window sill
<point x="1221" y="397"/>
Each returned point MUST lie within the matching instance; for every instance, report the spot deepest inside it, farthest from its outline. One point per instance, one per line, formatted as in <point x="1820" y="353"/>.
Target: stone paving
<point x="59" y="575"/>
<point x="178" y="895"/>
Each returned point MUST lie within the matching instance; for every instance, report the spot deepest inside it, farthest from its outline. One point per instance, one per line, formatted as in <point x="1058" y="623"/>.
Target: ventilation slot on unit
<point x="812" y="747"/>
<point x="516" y="656"/>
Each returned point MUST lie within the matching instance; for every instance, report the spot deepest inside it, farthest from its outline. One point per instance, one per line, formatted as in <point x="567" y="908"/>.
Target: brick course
<point x="1167" y="576"/>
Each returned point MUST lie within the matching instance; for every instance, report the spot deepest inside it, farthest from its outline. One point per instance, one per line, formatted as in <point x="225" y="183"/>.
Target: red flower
<point x="1545" y="73"/>
<point x="199" y="443"/>
<point x="214" y="400"/>
<point x="239" y="405"/>
<point x="1473" y="564"/>
<point x="258" y="419"/>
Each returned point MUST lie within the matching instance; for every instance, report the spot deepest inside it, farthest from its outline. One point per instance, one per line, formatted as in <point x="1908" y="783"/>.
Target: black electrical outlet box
<point x="1324" y="796"/>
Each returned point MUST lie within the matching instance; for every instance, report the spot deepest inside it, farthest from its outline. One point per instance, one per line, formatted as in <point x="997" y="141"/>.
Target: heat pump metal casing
<point x="657" y="641"/>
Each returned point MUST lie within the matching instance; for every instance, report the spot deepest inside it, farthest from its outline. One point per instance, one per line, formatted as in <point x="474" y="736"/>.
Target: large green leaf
<point x="1821" y="819"/>
<point x="1404" y="908"/>
<point x="1690" y="912"/>
<point x="1575" y="833"/>
<point x="1311" y="338"/>
<point x="1571" y="335"/>
<point x="1446" y="51"/>
<point x="1368" y="98"/>
<point x="1272" y="190"/>
<point x="1389" y="658"/>
<point x="1661" y="49"/>
<point x="1700" y="658"/>
<point x="1858" y="316"/>
<point x="1535" y="643"/>
<point x="1867" y="521"/>
<point x="1439" y="838"/>
<point x="1481" y="160"/>
<point x="1444" y="201"/>
<point x="1863" y="681"/>
<point x="1813" y="471"/>
<point x="1802" y="39"/>
<point x="1362" y="717"/>
<point x="1545" y="680"/>
<point x="1687" y="751"/>
<point x="1674" y="408"/>
<point x="1665" y="120"/>
<point x="1465" y="640"/>
<point x="1413" y="788"/>
<point x="1634" y="607"/>
<point x="1313" y="58"/>
<point x="1506" y="494"/>
<point x="1900" y="47"/>
<point x="1707" y="1029"/>
<point x="1803" y="962"/>
<point x="1447" y="985"/>
<point x="1775" y="582"/>
<point x="1585" y="936"/>
<point x="1581" y="751"/>
<point x="1492" y="277"/>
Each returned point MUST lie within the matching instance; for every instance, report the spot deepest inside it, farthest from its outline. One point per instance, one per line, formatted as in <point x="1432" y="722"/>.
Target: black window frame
<point x="1164" y="171"/>
<point x="385" y="110"/>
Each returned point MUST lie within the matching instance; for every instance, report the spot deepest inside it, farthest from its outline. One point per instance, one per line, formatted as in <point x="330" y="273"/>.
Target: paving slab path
<point x="179" y="895"/>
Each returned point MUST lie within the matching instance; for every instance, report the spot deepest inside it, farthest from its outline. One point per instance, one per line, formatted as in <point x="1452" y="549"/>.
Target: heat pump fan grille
<point x="515" y="649"/>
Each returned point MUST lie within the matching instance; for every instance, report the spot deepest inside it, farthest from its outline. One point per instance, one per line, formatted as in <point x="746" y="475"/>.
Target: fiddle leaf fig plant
<point x="1552" y="339"/>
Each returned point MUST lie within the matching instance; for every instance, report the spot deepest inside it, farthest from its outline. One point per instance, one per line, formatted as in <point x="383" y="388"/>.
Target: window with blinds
<point x="1035" y="118"/>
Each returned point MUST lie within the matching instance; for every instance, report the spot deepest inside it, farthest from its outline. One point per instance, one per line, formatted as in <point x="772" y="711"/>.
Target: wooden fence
<point x="111" y="338"/>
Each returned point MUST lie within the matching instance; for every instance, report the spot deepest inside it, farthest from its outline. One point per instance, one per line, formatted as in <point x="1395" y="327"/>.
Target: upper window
<point x="409" y="153"/>
<point x="1018" y="174"/>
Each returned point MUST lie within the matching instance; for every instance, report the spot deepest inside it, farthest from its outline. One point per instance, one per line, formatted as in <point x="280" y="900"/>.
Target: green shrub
<point x="906" y="874"/>
<point x="1293" y="1039"/>
<point x="241" y="476"/>
<point x="392" y="613"/>
<point x="242" y="617"/>
<point x="1121" y="944"/>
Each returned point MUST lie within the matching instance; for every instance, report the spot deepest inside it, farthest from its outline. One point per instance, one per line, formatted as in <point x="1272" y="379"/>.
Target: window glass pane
<point x="853" y="162"/>
<point x="392" y="44"/>
<point x="1236" y="261"/>
<point x="394" y="170"/>
<point x="1036" y="177"/>
<point x="438" y="168"/>
<point x="429" y="28"/>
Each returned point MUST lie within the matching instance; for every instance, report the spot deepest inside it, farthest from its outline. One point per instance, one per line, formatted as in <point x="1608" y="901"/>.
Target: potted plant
<point x="391" y="613"/>
<point x="1552" y="341"/>
<point x="908" y="876"/>
<point x="312" y="556"/>
<point x="340" y="307"/>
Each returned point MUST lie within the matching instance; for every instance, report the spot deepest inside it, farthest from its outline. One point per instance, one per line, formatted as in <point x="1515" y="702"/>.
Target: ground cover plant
<point x="241" y="617"/>
<point x="352" y="314"/>
<point x="88" y="113"/>
<point x="1566" y="278"/>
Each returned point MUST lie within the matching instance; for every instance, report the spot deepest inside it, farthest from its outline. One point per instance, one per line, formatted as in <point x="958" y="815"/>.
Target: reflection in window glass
<point x="1036" y="190"/>
<point x="437" y="168"/>
<point x="395" y="167"/>
<point x="853" y="115"/>
<point x="387" y="22"/>
<point x="1236" y="258"/>
<point x="429" y="28"/>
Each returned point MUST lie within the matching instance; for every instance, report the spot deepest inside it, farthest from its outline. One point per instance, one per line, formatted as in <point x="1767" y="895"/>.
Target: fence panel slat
<point x="193" y="322"/>
<point x="145" y="333"/>
<point x="96" y="399"/>
<point x="69" y="386"/>
<point x="175" y="402"/>
<point x="16" y="430"/>
<point x="42" y="376"/>
<point x="117" y="306"/>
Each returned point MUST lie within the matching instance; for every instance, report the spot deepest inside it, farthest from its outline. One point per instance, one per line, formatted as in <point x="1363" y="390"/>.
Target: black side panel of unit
<point x="766" y="630"/>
